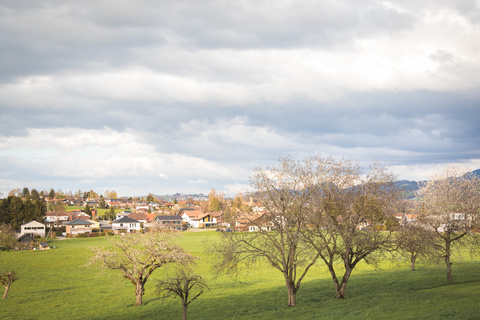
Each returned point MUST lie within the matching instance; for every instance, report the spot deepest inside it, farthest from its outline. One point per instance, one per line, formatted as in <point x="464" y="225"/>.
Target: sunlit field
<point x="56" y="284"/>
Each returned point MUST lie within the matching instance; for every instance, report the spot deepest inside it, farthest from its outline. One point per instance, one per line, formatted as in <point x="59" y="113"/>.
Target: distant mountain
<point x="410" y="187"/>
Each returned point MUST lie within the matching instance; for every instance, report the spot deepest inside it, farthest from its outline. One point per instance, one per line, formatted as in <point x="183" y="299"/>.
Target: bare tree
<point x="284" y="191"/>
<point x="185" y="285"/>
<point x="451" y="204"/>
<point x="137" y="256"/>
<point x="6" y="280"/>
<point x="415" y="241"/>
<point x="347" y="220"/>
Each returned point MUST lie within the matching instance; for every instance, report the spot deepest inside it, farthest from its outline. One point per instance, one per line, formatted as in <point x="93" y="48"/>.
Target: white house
<point x="127" y="224"/>
<point x="188" y="215"/>
<point x="33" y="228"/>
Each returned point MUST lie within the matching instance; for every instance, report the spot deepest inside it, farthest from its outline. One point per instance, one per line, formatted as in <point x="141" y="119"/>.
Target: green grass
<point x="100" y="212"/>
<point x="54" y="284"/>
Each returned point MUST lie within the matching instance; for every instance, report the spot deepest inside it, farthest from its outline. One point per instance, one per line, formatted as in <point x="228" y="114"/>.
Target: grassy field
<point x="55" y="284"/>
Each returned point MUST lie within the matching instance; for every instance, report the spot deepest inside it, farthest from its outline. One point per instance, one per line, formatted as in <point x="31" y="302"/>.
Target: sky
<point x="143" y="96"/>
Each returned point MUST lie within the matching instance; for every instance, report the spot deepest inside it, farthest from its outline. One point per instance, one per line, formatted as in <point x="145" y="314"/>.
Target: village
<point x="129" y="216"/>
<point x="125" y="215"/>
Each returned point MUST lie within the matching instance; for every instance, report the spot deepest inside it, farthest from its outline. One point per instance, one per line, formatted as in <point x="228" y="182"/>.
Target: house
<point x="33" y="228"/>
<point x="168" y="222"/>
<point x="26" y="239"/>
<point x="57" y="218"/>
<point x="104" y="226"/>
<point x="124" y="213"/>
<point x="139" y="216"/>
<point x="406" y="218"/>
<point x="78" y="226"/>
<point x="144" y="207"/>
<point x="203" y="220"/>
<point x="95" y="224"/>
<point x="253" y="222"/>
<point x="218" y="216"/>
<point x="151" y="216"/>
<point x="188" y="215"/>
<point x="127" y="224"/>
<point x="79" y="215"/>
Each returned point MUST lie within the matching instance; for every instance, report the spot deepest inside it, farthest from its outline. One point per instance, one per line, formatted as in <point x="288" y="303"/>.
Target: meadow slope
<point x="56" y="284"/>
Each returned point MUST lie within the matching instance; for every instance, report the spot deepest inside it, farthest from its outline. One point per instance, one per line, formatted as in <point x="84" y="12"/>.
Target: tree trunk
<point x="449" y="268"/>
<point x="291" y="293"/>
<point x="343" y="285"/>
<point x="139" y="291"/>
<point x="447" y="262"/>
<point x="413" y="258"/>
<point x="6" y="291"/>
<point x="184" y="312"/>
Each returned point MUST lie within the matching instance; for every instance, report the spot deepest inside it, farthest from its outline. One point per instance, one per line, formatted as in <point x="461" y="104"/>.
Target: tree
<point x="87" y="210"/>
<point x="150" y="198"/>
<point x="6" y="280"/>
<point x="15" y="208"/>
<point x="92" y="194"/>
<point x="51" y="194"/>
<point x="111" y="214"/>
<point x="451" y="204"/>
<point x="213" y="202"/>
<point x="34" y="195"/>
<point x="14" y="193"/>
<point x="415" y="241"/>
<point x="349" y="214"/>
<point x="137" y="256"/>
<point x="185" y="285"/>
<point x="40" y="210"/>
<point x="238" y="201"/>
<point x="60" y="194"/>
<point x="101" y="202"/>
<point x="25" y="193"/>
<point x="7" y="236"/>
<point x="230" y="215"/>
<point x="284" y="191"/>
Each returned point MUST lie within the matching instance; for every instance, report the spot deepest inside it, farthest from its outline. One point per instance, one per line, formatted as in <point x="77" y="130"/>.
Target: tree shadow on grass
<point x="398" y="294"/>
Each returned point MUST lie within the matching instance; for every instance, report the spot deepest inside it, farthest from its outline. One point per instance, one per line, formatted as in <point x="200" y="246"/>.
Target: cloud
<point x="169" y="95"/>
<point x="163" y="176"/>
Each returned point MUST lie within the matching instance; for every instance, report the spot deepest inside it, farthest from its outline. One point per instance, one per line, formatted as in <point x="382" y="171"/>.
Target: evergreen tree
<point x="16" y="209"/>
<point x="88" y="210"/>
<point x="40" y="210"/>
<point x="25" y="193"/>
<point x="34" y="195"/>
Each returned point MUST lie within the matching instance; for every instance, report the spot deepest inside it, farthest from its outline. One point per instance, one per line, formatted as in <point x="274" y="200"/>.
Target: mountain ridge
<point x="409" y="187"/>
